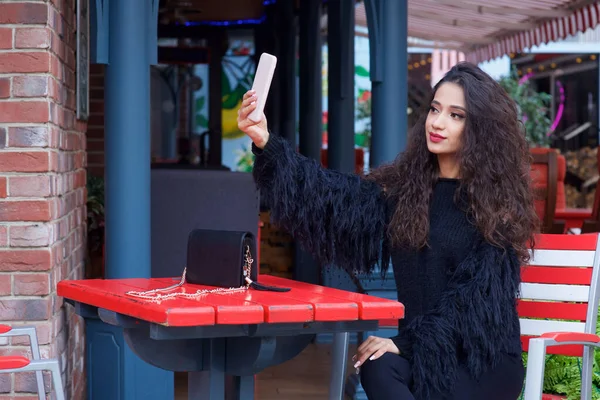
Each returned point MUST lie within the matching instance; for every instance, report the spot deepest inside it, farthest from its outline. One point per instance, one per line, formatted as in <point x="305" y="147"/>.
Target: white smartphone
<point x="262" y="83"/>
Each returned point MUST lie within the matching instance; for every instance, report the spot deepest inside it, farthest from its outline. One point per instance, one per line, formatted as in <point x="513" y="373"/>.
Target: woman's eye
<point x="432" y="109"/>
<point x="457" y="116"/>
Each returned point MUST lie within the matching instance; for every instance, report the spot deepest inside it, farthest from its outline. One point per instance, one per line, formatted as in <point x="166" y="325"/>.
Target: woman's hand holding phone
<point x="257" y="131"/>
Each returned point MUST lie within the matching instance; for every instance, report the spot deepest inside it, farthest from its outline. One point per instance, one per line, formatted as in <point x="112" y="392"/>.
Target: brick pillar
<point x="42" y="187"/>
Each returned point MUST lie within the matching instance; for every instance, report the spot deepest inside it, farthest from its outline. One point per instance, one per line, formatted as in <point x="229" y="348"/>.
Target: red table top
<point x="304" y="303"/>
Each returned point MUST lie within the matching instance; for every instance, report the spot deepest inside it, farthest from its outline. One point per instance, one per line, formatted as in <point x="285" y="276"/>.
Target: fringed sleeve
<point x="338" y="218"/>
<point x="476" y="316"/>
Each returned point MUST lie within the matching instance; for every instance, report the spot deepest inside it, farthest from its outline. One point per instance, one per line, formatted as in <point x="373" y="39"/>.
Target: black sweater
<point x="422" y="275"/>
<point x="459" y="292"/>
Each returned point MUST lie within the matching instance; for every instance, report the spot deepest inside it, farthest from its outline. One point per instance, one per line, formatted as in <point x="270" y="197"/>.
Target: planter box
<point x="553" y="397"/>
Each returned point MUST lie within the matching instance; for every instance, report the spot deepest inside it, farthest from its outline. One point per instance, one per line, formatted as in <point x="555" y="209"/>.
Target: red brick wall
<point x="42" y="187"/>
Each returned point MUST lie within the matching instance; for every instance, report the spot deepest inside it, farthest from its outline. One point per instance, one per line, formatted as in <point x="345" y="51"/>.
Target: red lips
<point x="435" y="138"/>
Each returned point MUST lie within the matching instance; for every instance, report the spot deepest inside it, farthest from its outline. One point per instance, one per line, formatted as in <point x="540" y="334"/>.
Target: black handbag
<point x="224" y="259"/>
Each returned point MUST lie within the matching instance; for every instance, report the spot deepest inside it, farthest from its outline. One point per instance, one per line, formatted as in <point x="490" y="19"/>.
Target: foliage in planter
<point x="95" y="225"/>
<point x="534" y="109"/>
<point x="95" y="211"/>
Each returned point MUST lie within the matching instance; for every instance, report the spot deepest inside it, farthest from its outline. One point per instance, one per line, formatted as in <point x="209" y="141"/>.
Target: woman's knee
<point x="379" y="371"/>
<point x="387" y="378"/>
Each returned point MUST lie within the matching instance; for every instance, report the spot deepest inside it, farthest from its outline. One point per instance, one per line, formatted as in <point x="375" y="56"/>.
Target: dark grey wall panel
<point x="183" y="200"/>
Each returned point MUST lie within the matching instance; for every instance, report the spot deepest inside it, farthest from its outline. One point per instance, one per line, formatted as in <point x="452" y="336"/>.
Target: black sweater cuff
<point x="274" y="146"/>
<point x="403" y="343"/>
<point x="256" y="151"/>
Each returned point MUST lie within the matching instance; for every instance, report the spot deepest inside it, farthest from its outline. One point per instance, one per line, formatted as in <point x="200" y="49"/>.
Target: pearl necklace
<point x="157" y="296"/>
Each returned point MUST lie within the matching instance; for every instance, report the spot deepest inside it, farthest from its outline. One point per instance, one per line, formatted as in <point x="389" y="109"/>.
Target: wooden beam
<point x="432" y="45"/>
<point x="536" y="13"/>
<point x="481" y="40"/>
<point x="514" y="26"/>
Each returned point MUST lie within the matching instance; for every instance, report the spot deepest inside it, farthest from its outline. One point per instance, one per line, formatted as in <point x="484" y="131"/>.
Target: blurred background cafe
<point x="323" y="101"/>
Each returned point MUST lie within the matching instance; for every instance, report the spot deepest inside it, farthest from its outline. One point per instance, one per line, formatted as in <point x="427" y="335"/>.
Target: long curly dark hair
<point x="494" y="170"/>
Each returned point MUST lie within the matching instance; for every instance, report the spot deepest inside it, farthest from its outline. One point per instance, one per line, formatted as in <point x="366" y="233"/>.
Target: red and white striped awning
<point x="556" y="29"/>
<point x="484" y="30"/>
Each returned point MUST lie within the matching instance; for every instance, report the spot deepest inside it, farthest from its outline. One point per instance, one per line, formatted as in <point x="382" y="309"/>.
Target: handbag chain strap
<point x="158" y="295"/>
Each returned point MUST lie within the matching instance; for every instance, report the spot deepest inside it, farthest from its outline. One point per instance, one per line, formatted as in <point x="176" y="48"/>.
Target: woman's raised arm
<point x="339" y="218"/>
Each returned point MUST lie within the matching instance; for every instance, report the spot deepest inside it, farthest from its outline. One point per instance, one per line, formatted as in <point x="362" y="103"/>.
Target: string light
<point x="418" y="64"/>
<point x="250" y="21"/>
<point x="225" y="23"/>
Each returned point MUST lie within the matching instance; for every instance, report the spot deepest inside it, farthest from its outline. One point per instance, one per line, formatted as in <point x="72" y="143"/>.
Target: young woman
<point x="454" y="212"/>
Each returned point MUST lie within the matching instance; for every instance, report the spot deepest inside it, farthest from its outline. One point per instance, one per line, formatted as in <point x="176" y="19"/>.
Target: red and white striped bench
<point x="558" y="306"/>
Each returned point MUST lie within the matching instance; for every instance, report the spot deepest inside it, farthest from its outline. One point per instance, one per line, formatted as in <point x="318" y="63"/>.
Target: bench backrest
<point x="559" y="289"/>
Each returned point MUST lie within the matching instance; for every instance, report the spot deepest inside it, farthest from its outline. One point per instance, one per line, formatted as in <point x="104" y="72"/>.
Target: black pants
<point x="388" y="378"/>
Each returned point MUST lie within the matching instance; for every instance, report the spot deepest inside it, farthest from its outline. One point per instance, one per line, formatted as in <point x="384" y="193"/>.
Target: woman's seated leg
<point x="387" y="378"/>
<point x="504" y="382"/>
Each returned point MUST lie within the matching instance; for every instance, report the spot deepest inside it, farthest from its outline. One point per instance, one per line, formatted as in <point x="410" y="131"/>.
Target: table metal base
<point x="221" y="360"/>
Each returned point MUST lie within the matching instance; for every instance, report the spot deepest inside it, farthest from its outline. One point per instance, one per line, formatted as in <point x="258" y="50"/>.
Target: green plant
<point x="363" y="109"/>
<point x="245" y="159"/>
<point x="533" y="107"/>
<point x="563" y="376"/>
<point x="363" y="112"/>
<point x="95" y="213"/>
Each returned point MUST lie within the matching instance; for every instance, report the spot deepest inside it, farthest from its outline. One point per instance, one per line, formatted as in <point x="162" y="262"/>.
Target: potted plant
<point x="533" y="108"/>
<point x="534" y="113"/>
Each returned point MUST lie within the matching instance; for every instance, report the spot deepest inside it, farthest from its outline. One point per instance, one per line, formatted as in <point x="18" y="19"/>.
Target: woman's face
<point x="445" y="122"/>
